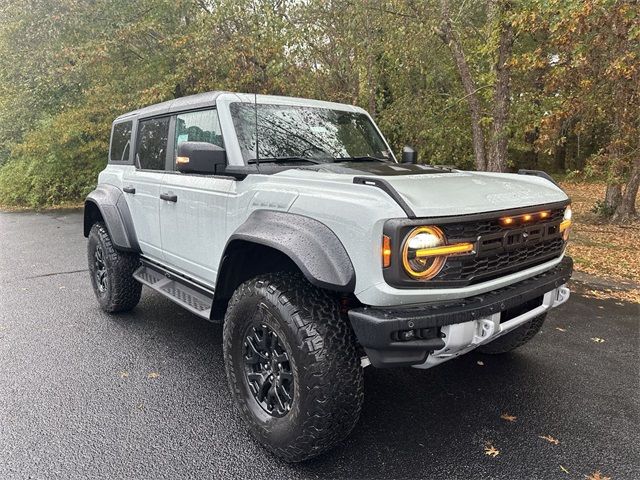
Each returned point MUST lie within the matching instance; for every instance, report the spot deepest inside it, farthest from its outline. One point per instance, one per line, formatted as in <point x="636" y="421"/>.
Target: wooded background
<point x="489" y="85"/>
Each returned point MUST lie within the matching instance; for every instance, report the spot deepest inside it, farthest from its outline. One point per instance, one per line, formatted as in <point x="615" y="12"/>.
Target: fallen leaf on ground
<point x="561" y="329"/>
<point x="600" y="248"/>
<point x="124" y="374"/>
<point x="550" y="439"/>
<point x="597" y="340"/>
<point x="153" y="375"/>
<point x="596" y="476"/>
<point x="491" y="450"/>
<point x="508" y="418"/>
<point x="480" y="362"/>
<point x="564" y="469"/>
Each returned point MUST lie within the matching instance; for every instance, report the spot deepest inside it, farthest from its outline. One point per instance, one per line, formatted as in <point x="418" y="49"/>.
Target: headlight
<point x="425" y="251"/>
<point x="566" y="223"/>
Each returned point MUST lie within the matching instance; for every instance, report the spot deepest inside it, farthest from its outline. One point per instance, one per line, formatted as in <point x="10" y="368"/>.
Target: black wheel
<point x="515" y="338"/>
<point x="292" y="365"/>
<point x="112" y="272"/>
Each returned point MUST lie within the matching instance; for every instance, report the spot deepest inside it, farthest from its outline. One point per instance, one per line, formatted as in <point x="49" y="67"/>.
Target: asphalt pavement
<point x="144" y="396"/>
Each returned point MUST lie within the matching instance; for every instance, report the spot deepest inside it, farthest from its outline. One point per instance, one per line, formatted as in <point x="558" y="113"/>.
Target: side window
<point x="153" y="135"/>
<point x="202" y="126"/>
<point x="120" y="142"/>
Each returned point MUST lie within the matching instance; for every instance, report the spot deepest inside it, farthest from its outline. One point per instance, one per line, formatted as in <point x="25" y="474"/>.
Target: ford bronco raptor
<point x="290" y="221"/>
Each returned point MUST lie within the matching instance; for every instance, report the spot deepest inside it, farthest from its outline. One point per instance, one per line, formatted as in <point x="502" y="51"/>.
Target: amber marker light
<point x="527" y="218"/>
<point x="386" y="251"/>
<point x="507" y="220"/>
<point x="544" y="214"/>
<point x="566" y="223"/>
<point x="182" y="160"/>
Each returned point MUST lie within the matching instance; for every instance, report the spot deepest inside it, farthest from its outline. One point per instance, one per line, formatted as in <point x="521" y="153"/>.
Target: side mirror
<point x="201" y="157"/>
<point x="409" y="155"/>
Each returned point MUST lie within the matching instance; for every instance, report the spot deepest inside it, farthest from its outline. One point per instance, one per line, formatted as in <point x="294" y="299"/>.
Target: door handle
<point x="168" y="197"/>
<point x="129" y="190"/>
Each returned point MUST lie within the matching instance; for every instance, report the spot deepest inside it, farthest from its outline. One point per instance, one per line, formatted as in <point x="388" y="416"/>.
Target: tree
<point x="493" y="158"/>
<point x="592" y="84"/>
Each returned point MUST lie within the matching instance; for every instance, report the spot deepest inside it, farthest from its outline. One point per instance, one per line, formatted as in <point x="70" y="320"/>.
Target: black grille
<point x="500" y="249"/>
<point x="473" y="268"/>
<point x="472" y="230"/>
<point x="504" y="259"/>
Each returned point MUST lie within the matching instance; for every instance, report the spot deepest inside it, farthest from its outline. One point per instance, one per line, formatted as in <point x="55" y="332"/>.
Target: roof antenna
<point x="255" y="109"/>
<point x="255" y="86"/>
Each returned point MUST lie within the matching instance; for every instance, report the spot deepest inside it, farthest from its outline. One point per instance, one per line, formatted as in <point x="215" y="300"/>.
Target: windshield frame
<point x="234" y="153"/>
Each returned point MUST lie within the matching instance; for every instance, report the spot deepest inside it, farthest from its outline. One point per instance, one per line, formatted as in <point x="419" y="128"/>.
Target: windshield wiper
<point x="284" y="160"/>
<point x="364" y="158"/>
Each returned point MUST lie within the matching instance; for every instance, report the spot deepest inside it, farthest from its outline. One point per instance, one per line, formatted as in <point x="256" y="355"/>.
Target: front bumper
<point x="440" y="331"/>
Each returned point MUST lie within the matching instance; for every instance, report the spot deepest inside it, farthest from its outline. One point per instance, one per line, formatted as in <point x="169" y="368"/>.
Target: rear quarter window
<point x="120" y="142"/>
<point x="153" y="136"/>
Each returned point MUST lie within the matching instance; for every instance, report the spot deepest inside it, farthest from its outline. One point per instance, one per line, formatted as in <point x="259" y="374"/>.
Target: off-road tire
<point x="514" y="339"/>
<point x="328" y="384"/>
<point x="120" y="292"/>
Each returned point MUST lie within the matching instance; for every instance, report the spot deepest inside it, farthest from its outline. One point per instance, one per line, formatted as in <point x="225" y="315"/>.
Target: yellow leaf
<point x="596" y="476"/>
<point x="597" y="340"/>
<point x="564" y="469"/>
<point x="561" y="329"/>
<point x="491" y="450"/>
<point x="153" y="375"/>
<point x="508" y="418"/>
<point x="550" y="439"/>
<point x="124" y="374"/>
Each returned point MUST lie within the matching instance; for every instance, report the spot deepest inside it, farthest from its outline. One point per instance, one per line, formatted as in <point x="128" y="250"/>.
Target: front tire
<point x="112" y="272"/>
<point x="292" y="365"/>
<point x="514" y="339"/>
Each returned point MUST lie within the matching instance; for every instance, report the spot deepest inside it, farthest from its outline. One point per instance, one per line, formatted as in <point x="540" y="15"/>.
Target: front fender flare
<point x="310" y="244"/>
<point x="112" y="205"/>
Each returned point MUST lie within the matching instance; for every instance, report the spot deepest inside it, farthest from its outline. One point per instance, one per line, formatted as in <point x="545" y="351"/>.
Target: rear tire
<point x="112" y="272"/>
<point x="514" y="339"/>
<point x="317" y="391"/>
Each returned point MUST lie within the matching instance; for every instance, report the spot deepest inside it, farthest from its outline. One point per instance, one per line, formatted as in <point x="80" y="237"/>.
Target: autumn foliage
<point x="495" y="84"/>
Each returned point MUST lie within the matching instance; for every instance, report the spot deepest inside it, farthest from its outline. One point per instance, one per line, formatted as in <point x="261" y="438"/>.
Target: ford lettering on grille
<point x="514" y="239"/>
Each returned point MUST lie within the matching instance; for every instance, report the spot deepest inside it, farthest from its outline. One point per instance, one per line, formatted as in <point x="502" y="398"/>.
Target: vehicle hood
<point x="434" y="192"/>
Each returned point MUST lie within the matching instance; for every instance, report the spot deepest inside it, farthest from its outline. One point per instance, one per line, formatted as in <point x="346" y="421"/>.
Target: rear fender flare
<point x="112" y="205"/>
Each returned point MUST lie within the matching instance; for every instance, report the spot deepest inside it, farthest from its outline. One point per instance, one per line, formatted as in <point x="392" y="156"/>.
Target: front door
<point x="141" y="185"/>
<point x="193" y="219"/>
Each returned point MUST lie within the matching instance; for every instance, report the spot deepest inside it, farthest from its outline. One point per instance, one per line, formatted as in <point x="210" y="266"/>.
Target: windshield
<point x="316" y="134"/>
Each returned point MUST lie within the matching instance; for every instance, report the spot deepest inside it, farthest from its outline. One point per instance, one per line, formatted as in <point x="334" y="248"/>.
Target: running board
<point x="180" y="291"/>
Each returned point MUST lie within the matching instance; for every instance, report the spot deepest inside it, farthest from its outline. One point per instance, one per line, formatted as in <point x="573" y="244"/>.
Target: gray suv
<point x="290" y="221"/>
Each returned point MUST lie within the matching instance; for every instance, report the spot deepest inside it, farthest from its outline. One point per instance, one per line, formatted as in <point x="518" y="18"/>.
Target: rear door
<point x="142" y="183"/>
<point x="193" y="221"/>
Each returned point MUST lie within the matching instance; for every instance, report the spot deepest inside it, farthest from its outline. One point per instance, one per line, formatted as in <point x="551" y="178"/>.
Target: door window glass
<point x="120" y="142"/>
<point x="201" y="126"/>
<point x="152" y="143"/>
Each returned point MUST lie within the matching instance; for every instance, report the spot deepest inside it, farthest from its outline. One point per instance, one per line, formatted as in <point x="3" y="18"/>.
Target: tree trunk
<point x="499" y="141"/>
<point x="626" y="209"/>
<point x="612" y="196"/>
<point x="449" y="37"/>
